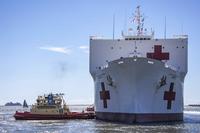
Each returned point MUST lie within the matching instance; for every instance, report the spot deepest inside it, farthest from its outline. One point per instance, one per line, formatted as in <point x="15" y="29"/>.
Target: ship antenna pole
<point x="165" y="32"/>
<point x="182" y="28"/>
<point x="125" y="22"/>
<point x="113" y="26"/>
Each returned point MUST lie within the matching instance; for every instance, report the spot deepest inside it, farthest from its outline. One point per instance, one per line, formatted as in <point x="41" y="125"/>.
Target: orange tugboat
<point x="52" y="107"/>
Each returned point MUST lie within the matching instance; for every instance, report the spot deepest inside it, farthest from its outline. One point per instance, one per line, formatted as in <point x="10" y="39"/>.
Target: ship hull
<point x="73" y="115"/>
<point x="138" y="90"/>
<point x="133" y="118"/>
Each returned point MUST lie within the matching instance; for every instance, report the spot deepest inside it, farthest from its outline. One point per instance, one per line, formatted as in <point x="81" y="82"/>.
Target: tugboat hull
<point x="72" y="115"/>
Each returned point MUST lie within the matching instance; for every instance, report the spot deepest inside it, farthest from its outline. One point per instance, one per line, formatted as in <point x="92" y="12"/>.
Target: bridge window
<point x="137" y="38"/>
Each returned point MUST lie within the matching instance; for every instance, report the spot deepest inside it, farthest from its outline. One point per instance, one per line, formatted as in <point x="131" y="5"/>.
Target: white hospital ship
<point x="139" y="78"/>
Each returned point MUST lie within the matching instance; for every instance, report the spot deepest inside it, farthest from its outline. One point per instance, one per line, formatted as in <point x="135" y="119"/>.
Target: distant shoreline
<point x="13" y="104"/>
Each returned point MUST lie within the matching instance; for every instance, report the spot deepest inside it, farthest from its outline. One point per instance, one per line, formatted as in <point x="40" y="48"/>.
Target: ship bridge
<point x="139" y="37"/>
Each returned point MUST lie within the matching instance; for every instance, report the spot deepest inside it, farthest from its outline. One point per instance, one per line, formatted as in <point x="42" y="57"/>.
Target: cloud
<point x="63" y="50"/>
<point x="84" y="48"/>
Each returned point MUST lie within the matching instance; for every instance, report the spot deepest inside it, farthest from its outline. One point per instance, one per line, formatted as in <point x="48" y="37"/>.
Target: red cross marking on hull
<point x="158" y="55"/>
<point x="104" y="95"/>
<point x="170" y="96"/>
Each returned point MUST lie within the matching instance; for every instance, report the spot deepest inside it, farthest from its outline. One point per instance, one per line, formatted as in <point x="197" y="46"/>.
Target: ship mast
<point x="141" y="32"/>
<point x="139" y="21"/>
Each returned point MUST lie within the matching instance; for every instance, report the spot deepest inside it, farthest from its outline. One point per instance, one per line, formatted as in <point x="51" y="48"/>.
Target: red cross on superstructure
<point x="158" y="55"/>
<point x="104" y="95"/>
<point x="170" y="96"/>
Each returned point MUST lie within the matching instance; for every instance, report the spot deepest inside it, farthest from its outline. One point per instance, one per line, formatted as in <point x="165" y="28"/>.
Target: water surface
<point x="8" y="124"/>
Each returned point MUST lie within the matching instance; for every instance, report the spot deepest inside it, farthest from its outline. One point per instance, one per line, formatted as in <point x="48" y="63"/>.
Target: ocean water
<point x="8" y="124"/>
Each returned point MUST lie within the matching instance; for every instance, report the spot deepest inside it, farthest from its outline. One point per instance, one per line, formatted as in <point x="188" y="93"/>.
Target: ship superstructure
<point x="139" y="78"/>
<point x="50" y="104"/>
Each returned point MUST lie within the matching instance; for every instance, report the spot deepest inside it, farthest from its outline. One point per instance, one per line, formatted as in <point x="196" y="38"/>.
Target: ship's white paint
<point x="135" y="77"/>
<point x="136" y="89"/>
<point x="103" y="51"/>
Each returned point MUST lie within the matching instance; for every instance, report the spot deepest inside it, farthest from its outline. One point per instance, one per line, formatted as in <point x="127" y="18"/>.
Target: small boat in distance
<point x="52" y="107"/>
<point x="25" y="105"/>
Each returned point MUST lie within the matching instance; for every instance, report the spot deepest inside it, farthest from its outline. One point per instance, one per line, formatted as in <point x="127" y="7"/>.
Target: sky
<point x="44" y="43"/>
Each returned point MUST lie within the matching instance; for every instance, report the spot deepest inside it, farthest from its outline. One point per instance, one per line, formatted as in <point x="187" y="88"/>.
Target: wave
<point x="192" y="112"/>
